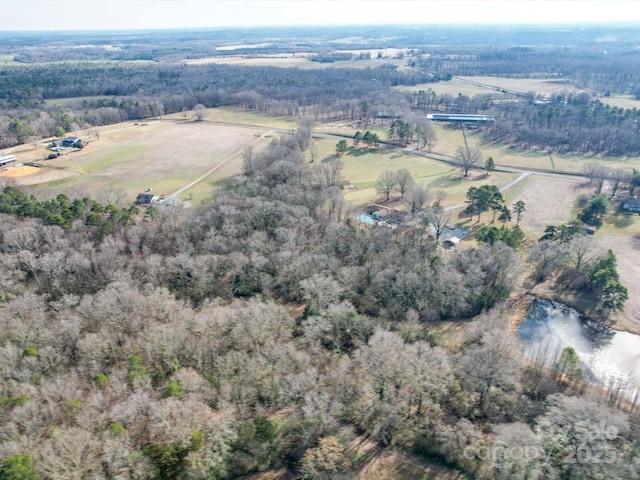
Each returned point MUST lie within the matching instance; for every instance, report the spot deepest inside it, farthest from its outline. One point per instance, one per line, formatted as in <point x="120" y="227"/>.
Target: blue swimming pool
<point x="366" y="219"/>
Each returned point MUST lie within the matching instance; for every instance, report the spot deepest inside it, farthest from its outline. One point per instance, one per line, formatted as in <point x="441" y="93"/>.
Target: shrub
<point x="174" y="390"/>
<point x="100" y="380"/>
<point x="30" y="352"/>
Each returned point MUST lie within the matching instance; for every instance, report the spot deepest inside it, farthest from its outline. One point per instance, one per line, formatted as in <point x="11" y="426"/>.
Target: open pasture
<point x="549" y="201"/>
<point x="451" y="87"/>
<point x="283" y="61"/>
<point x="462" y="85"/>
<point x="239" y="117"/>
<point x="626" y="249"/>
<point x="621" y="101"/>
<point x="65" y="102"/>
<point x="161" y="155"/>
<point x="541" y="86"/>
<point x="8" y="60"/>
<point x="450" y="139"/>
<point x="362" y="168"/>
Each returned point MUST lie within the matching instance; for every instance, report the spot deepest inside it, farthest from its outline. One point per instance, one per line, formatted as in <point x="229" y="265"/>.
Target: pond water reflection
<point x="608" y="358"/>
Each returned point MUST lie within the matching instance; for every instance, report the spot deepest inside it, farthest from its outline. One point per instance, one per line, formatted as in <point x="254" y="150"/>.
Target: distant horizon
<point x="341" y="26"/>
<point x="159" y="15"/>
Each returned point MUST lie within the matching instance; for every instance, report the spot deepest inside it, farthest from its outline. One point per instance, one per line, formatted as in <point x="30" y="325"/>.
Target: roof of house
<point x="459" y="117"/>
<point x="143" y="198"/>
<point x="374" y="207"/>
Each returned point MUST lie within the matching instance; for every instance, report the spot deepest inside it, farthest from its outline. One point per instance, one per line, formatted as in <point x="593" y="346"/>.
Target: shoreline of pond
<point x="521" y="305"/>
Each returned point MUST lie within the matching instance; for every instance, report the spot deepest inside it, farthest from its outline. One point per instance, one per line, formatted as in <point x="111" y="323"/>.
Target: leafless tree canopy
<point x="200" y="112"/>
<point x="468" y="158"/>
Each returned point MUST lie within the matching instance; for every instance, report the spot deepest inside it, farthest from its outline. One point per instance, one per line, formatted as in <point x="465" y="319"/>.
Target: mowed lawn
<point x="450" y="139"/>
<point x="549" y="201"/>
<point x="242" y="117"/>
<point x="626" y="249"/>
<point x="362" y="168"/>
<point x="163" y="156"/>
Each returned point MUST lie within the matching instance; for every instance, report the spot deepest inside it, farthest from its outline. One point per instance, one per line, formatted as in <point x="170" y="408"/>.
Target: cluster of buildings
<point x="67" y="142"/>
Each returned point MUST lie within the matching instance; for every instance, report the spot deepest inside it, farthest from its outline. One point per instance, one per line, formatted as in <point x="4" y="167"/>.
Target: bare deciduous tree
<point x="438" y="219"/>
<point x="387" y="183"/>
<point x="619" y="177"/>
<point x="417" y="197"/>
<point x="200" y="112"/>
<point x="582" y="250"/>
<point x="547" y="257"/>
<point x="404" y="180"/>
<point x="329" y="172"/>
<point x="490" y="364"/>
<point x="468" y="158"/>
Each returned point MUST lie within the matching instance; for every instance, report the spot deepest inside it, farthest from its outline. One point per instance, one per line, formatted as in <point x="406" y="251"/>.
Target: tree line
<point x="144" y="91"/>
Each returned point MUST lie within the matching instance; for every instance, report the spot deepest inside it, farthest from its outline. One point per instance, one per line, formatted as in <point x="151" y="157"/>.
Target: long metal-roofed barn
<point x="7" y="160"/>
<point x="459" y="117"/>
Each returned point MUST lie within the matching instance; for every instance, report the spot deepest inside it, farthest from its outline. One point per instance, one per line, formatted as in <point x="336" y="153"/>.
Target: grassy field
<point x="362" y="168"/>
<point x="162" y="155"/>
<point x="626" y="247"/>
<point x="541" y="86"/>
<point x="284" y="61"/>
<point x="243" y="117"/>
<point x="549" y="201"/>
<point x="8" y="60"/>
<point x="451" y="87"/>
<point x="458" y="85"/>
<point x="133" y="157"/>
<point x="63" y="102"/>
<point x="622" y="101"/>
<point x="449" y="140"/>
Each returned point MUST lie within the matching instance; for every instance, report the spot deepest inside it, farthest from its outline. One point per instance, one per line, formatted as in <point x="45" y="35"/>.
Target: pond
<point x="607" y="357"/>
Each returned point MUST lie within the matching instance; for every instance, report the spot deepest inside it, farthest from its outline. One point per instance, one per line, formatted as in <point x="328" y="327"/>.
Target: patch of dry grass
<point x="163" y="155"/>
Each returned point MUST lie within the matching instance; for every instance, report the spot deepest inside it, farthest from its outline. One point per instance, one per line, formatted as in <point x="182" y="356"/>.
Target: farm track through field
<point x="221" y="164"/>
<point x="524" y="173"/>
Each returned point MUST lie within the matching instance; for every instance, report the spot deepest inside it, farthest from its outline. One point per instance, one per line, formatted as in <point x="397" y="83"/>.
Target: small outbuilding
<point x="590" y="229"/>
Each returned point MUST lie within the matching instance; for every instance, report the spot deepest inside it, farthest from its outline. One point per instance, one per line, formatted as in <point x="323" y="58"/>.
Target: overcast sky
<point x="147" y="14"/>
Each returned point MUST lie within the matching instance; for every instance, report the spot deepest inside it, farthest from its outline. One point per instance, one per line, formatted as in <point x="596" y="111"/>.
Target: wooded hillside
<point x="266" y="329"/>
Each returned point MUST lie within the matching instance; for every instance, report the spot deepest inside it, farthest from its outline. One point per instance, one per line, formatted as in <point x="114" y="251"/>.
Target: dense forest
<point x="266" y="330"/>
